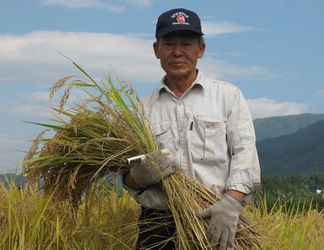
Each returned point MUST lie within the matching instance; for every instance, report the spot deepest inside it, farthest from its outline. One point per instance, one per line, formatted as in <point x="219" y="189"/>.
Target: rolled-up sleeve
<point x="244" y="168"/>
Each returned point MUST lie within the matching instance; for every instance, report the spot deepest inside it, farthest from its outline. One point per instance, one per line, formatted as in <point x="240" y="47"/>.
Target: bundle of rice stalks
<point x="186" y="197"/>
<point x="77" y="154"/>
<point x="90" y="140"/>
<point x="98" y="138"/>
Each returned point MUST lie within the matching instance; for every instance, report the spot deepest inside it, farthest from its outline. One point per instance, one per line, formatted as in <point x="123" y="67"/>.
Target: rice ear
<point x="58" y="85"/>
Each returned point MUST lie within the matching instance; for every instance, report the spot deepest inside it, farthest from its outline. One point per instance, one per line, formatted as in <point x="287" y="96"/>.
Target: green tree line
<point x="296" y="192"/>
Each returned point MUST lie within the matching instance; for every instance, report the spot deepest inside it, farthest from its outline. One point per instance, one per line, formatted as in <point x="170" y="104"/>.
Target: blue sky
<point x="271" y="49"/>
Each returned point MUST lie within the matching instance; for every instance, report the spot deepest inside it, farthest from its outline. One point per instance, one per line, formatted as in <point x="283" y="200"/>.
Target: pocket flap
<point x="209" y="122"/>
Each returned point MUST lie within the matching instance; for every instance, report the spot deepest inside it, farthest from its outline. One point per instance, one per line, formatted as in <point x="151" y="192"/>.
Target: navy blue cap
<point x="177" y="20"/>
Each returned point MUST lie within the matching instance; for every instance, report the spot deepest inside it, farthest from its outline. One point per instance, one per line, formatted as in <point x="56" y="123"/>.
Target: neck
<point x="178" y="85"/>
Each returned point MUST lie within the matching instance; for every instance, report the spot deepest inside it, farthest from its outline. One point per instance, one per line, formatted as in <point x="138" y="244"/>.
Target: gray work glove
<point x="153" y="168"/>
<point x="223" y="220"/>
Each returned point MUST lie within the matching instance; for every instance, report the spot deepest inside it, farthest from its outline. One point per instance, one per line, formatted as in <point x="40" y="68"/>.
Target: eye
<point x="187" y="44"/>
<point x="168" y="43"/>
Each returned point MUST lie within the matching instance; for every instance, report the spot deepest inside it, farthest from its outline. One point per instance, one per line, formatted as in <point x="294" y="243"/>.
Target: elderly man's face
<point x="179" y="54"/>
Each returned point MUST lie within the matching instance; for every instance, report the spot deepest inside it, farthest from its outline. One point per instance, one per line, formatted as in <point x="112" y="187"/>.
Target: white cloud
<point x="265" y="107"/>
<point x="223" y="70"/>
<point x="218" y="28"/>
<point x="117" y="6"/>
<point x="35" y="58"/>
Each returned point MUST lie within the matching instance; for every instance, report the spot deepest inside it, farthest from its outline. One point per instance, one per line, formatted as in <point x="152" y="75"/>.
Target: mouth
<point x="177" y="63"/>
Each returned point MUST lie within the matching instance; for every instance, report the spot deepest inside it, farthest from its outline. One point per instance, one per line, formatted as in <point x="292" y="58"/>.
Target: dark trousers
<point x="157" y="230"/>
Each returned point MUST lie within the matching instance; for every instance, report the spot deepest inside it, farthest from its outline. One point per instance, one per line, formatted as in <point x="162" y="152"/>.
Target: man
<point x="206" y="126"/>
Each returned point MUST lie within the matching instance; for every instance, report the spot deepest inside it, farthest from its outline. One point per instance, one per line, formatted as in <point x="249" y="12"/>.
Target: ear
<point x="156" y="51"/>
<point x="202" y="50"/>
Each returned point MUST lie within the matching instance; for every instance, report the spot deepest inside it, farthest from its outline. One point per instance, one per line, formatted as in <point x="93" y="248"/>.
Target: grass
<point x="298" y="228"/>
<point x="31" y="220"/>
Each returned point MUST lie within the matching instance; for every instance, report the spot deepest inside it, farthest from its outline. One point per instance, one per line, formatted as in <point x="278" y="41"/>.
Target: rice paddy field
<point x="107" y="219"/>
<point x="31" y="220"/>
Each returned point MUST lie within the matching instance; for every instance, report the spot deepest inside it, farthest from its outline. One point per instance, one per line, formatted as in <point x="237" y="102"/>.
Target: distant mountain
<point x="301" y="152"/>
<point x="283" y="125"/>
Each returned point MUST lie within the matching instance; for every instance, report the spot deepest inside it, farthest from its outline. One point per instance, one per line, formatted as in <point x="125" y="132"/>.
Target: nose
<point x="177" y="50"/>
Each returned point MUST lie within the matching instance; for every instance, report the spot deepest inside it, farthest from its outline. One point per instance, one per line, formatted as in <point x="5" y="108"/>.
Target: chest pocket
<point x="208" y="141"/>
<point x="164" y="135"/>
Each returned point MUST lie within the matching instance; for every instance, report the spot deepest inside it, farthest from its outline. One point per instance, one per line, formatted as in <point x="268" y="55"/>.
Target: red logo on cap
<point x="181" y="19"/>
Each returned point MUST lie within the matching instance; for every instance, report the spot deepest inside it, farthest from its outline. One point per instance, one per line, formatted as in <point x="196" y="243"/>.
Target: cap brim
<point x="178" y="29"/>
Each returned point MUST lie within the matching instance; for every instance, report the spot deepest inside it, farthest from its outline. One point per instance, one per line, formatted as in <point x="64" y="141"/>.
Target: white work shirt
<point x="211" y="130"/>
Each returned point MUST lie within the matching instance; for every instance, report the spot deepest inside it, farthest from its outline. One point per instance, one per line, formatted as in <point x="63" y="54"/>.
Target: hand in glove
<point x="153" y="168"/>
<point x="223" y="220"/>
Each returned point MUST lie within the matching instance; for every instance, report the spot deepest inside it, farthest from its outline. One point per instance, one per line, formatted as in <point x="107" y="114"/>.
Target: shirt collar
<point x="198" y="82"/>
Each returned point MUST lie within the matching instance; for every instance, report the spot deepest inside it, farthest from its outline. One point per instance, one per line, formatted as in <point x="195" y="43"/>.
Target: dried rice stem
<point x="186" y="197"/>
